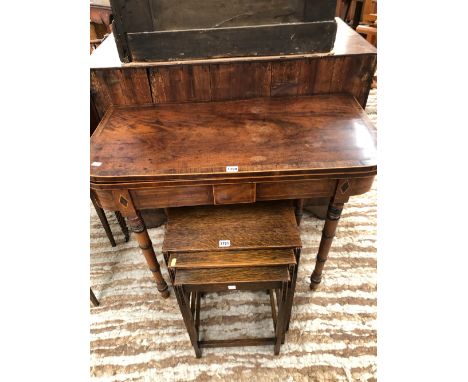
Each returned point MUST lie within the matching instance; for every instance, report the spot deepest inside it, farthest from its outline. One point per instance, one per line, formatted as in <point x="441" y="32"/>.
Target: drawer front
<point x="234" y="193"/>
<point x="297" y="189"/>
<point x="172" y="196"/>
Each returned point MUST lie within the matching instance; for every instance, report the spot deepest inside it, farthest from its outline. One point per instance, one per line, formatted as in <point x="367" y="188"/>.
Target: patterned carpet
<point x="138" y="336"/>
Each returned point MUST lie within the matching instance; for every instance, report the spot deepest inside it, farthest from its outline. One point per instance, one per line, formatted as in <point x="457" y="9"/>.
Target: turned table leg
<point x="124" y="200"/>
<point x="137" y="226"/>
<point x="328" y="233"/>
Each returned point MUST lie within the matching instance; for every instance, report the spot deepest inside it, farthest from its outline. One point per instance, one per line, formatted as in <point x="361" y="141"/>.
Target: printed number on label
<point x="232" y="168"/>
<point x="231" y="287"/>
<point x="225" y="243"/>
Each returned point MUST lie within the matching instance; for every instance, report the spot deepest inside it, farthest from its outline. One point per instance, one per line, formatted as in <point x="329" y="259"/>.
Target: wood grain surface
<point x="247" y="226"/>
<point x="228" y="259"/>
<point x="231" y="275"/>
<point x="350" y="69"/>
<point x="272" y="135"/>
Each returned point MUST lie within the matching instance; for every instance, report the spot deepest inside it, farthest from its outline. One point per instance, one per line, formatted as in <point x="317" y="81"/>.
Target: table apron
<point x="230" y="193"/>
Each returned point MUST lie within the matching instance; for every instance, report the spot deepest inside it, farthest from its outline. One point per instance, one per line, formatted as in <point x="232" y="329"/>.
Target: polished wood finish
<point x="273" y="266"/>
<point x="343" y="191"/>
<point x="294" y="189"/>
<point x="257" y="278"/>
<point x="162" y="197"/>
<point x="137" y="226"/>
<point x="349" y="70"/>
<point x="328" y="233"/>
<point x="325" y="145"/>
<point x="292" y="288"/>
<point x="234" y="193"/>
<point x="188" y="317"/>
<point x="180" y="83"/>
<point x="242" y="277"/>
<point x="257" y="226"/>
<point x="256" y="135"/>
<point x="105" y="199"/>
<point x="233" y="258"/>
<point x="197" y="265"/>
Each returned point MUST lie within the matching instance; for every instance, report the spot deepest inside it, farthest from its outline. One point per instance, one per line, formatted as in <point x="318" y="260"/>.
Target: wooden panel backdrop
<point x="223" y="81"/>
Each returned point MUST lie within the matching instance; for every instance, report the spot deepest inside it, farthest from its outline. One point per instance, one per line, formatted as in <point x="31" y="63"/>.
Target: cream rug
<point x="138" y="336"/>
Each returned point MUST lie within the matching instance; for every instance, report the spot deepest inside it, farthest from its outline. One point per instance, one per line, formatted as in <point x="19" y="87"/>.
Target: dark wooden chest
<point x="160" y="30"/>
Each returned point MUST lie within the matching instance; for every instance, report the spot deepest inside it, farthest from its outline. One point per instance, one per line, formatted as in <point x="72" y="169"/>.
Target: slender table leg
<point x="137" y="226"/>
<point x="290" y="297"/>
<point x="188" y="318"/>
<point x="328" y="233"/>
<point x="104" y="222"/>
<point x="273" y="307"/>
<point x="122" y="224"/>
<point x="197" y="314"/>
<point x="123" y="199"/>
<point x="93" y="298"/>
<point x="280" y="323"/>
<point x="298" y="211"/>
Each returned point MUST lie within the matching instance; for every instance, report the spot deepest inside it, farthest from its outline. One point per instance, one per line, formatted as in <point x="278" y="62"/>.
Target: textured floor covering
<point x="137" y="336"/>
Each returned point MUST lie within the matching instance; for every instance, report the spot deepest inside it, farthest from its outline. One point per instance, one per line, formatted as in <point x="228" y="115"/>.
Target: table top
<point x="247" y="226"/>
<point x="266" y="136"/>
<point x="347" y="42"/>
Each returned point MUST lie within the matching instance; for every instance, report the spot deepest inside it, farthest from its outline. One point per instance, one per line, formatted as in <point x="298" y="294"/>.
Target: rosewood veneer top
<point x="269" y="136"/>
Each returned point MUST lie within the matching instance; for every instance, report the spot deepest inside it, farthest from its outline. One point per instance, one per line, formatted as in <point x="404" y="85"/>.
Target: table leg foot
<point x="314" y="285"/>
<point x="165" y="293"/>
<point x="328" y="233"/>
<point x="137" y="226"/>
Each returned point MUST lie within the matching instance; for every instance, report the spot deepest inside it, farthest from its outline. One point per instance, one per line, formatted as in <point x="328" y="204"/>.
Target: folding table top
<point x="317" y="134"/>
